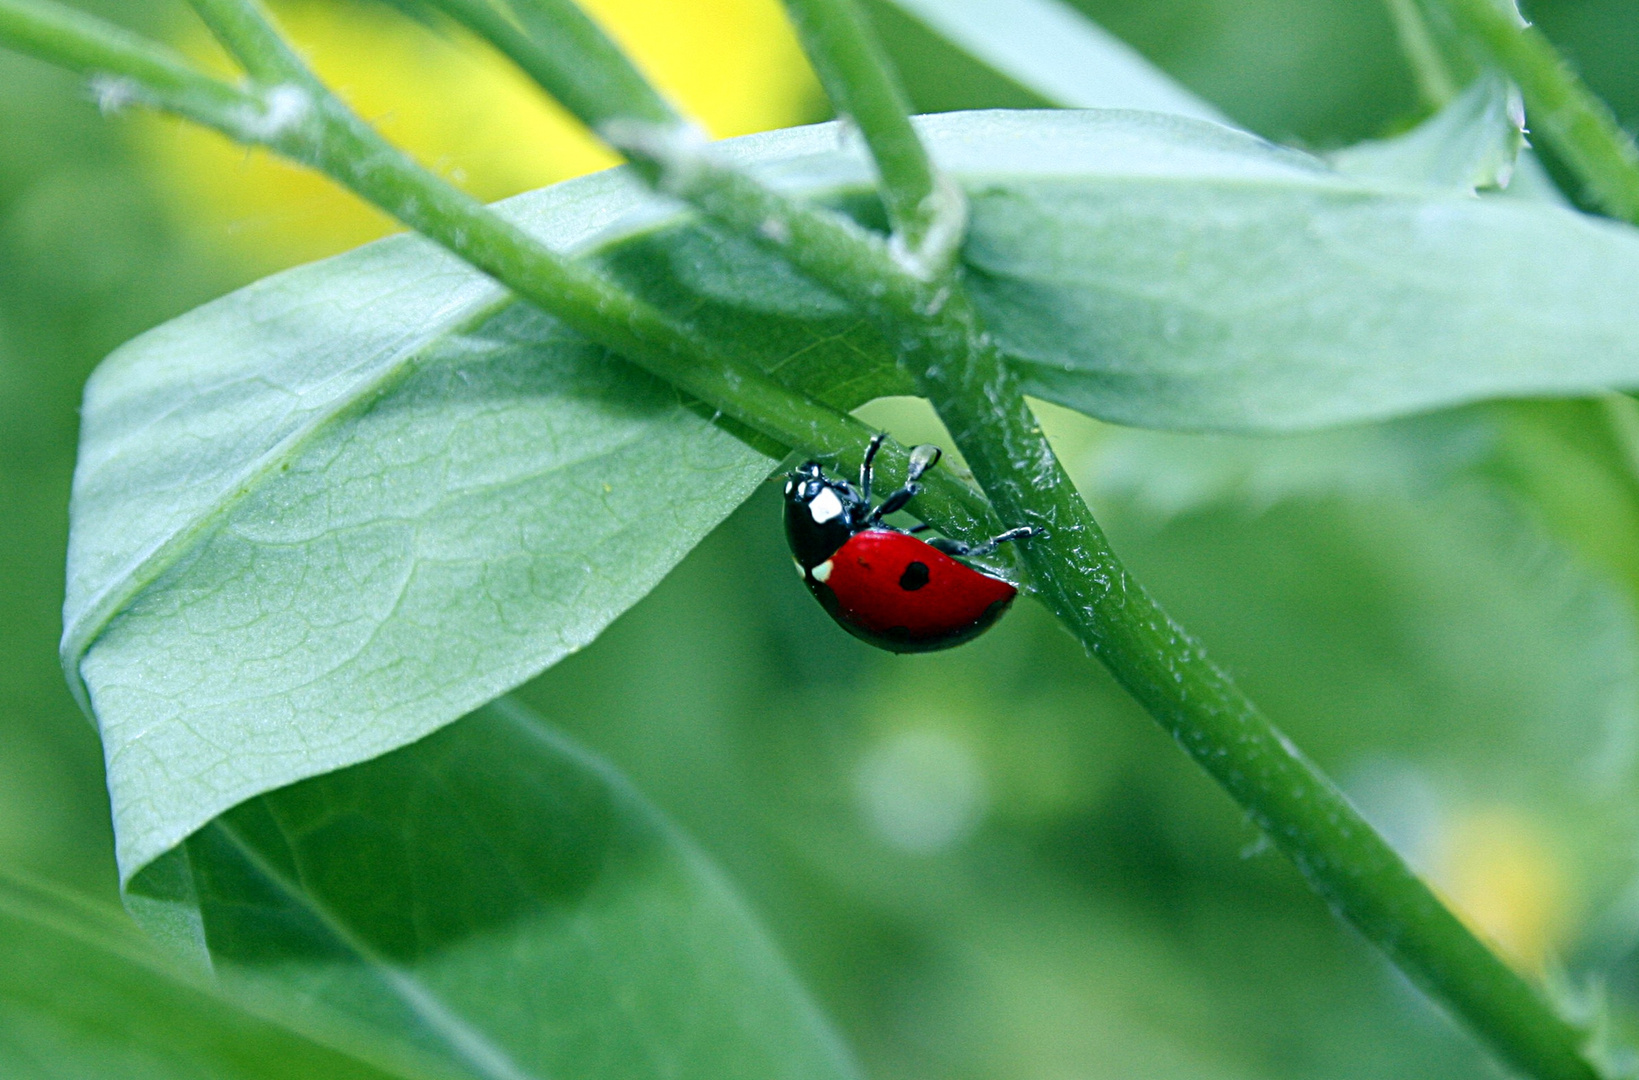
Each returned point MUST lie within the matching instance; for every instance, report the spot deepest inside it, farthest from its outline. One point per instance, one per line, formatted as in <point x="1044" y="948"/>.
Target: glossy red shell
<point x="895" y="591"/>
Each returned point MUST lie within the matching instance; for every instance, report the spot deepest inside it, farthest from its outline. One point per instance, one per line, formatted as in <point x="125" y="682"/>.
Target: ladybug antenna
<point x="868" y="468"/>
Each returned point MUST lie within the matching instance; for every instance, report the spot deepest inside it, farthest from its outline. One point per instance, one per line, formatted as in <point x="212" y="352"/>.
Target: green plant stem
<point x="1292" y="801"/>
<point x="312" y="128"/>
<point x="941" y="340"/>
<point x="856" y="74"/>
<point x="1579" y="126"/>
<point x="245" y="32"/>
<point x="568" y="55"/>
<point x="1435" y="81"/>
<point x="123" y="67"/>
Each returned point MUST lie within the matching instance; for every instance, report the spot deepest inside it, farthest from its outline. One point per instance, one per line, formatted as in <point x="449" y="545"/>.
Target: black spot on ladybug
<point x="914" y="577"/>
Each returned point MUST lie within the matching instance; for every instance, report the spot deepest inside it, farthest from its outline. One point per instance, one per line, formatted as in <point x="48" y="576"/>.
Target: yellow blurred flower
<point x="465" y="112"/>
<point x="1501" y="874"/>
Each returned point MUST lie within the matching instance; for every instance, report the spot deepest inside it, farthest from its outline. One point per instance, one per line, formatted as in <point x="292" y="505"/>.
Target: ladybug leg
<point x="893" y="502"/>
<point x="959" y="549"/>
<point x="867" y="469"/>
<point x="923" y="458"/>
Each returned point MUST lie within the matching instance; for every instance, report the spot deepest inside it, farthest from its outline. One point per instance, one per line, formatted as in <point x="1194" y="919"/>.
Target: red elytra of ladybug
<point x="898" y="588"/>
<point x="880" y="583"/>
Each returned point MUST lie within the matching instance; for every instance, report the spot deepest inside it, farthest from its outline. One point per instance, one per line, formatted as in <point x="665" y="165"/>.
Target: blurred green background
<point x="988" y="863"/>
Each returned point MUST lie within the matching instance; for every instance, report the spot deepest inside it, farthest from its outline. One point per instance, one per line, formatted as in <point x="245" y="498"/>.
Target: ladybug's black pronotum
<point x="883" y="584"/>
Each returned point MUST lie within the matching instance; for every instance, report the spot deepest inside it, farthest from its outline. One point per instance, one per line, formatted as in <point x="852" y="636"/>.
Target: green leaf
<point x="1165" y="475"/>
<point x="424" y="548"/>
<point x="82" y="994"/>
<point x="1042" y="50"/>
<point x="1472" y="143"/>
<point x="334" y="511"/>
<point x="495" y="903"/>
<point x="322" y="517"/>
<point x="1532" y="182"/>
<point x="1240" y="287"/>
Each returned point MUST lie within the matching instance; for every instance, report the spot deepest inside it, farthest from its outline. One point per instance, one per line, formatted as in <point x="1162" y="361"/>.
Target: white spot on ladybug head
<point x="822" y="572"/>
<point x="825" y="506"/>
<point x="800" y="571"/>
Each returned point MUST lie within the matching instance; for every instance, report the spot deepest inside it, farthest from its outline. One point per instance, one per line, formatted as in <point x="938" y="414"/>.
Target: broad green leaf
<point x="1285" y="296"/>
<point x="493" y="901"/>
<point x="1163" y="272"/>
<point x="421" y="551"/>
<point x="1472" y="143"/>
<point x="1042" y="50"/>
<point x="322" y="517"/>
<point x="1162" y="475"/>
<point x="84" y="997"/>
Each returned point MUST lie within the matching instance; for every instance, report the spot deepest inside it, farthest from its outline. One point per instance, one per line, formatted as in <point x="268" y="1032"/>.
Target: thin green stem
<point x="1435" y="81"/>
<point x="1080" y="578"/>
<point x="573" y="60"/>
<point x="123" y="68"/>
<point x="568" y="55"/>
<point x="244" y="30"/>
<point x="827" y="246"/>
<point x="928" y="215"/>
<point x="315" y="129"/>
<point x="942" y="342"/>
<point x="1562" y="110"/>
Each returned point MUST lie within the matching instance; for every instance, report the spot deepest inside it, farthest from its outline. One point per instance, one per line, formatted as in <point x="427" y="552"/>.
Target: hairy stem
<point x="1562" y="110"/>
<point x="123" y="68"/>
<point x="245" y="32"/>
<point x="568" y="55"/>
<point x="928" y="216"/>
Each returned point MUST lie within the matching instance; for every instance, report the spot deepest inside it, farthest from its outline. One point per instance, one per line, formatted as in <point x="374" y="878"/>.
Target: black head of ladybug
<point x="820" y="514"/>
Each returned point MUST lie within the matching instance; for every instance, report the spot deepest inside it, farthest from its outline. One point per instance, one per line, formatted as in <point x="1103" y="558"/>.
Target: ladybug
<point x="882" y="584"/>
